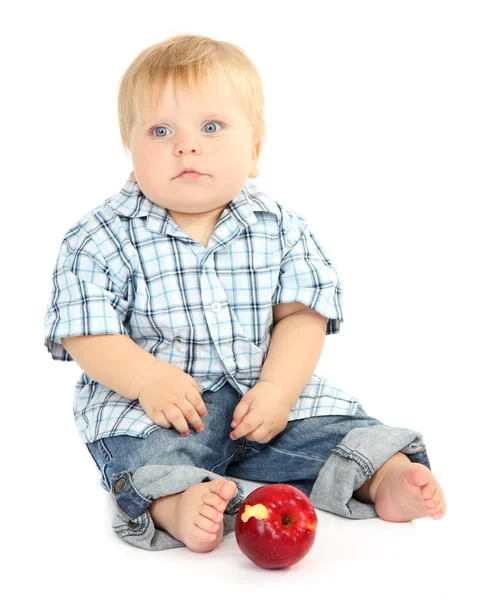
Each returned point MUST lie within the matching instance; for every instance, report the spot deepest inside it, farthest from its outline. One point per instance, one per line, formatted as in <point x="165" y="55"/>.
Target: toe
<point x="428" y="493"/>
<point x="431" y="498"/>
<point x="206" y="524"/>
<point x="432" y="507"/>
<point x="433" y="495"/>
<point x="223" y="488"/>
<point x="440" y="512"/>
<point x="228" y="490"/>
<point x="434" y="499"/>
<point x="419" y="475"/>
<point x="211" y="513"/>
<point x="215" y="501"/>
<point x="219" y="494"/>
<point x="439" y="508"/>
<point x="205" y="542"/>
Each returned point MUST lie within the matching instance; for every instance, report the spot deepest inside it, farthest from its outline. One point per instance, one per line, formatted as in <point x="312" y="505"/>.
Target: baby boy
<point x="197" y="307"/>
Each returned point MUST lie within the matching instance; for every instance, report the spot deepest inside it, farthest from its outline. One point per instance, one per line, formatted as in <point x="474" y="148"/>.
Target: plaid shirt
<point x="127" y="268"/>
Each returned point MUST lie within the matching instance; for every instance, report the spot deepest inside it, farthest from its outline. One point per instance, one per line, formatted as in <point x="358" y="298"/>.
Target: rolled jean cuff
<point x="134" y="492"/>
<point x="355" y="460"/>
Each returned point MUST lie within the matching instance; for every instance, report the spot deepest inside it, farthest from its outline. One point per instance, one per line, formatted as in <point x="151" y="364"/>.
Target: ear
<point x="256" y="150"/>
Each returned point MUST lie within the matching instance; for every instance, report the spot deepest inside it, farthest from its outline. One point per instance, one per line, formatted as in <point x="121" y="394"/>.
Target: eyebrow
<point x="212" y="115"/>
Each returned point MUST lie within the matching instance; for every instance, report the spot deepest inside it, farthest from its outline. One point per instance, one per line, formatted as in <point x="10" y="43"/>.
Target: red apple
<point x="276" y="526"/>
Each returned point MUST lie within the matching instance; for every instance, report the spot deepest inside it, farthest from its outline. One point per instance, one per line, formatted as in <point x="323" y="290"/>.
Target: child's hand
<point x="132" y="176"/>
<point x="171" y="396"/>
<point x="262" y="413"/>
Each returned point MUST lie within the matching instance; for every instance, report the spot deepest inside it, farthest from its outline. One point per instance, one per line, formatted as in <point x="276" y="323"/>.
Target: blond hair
<point x="178" y="59"/>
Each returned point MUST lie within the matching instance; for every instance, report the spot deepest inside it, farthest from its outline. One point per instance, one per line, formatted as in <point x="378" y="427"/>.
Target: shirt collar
<point x="131" y="202"/>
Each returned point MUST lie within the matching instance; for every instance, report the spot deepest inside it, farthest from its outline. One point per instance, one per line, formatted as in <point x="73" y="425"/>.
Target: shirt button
<point x="215" y="306"/>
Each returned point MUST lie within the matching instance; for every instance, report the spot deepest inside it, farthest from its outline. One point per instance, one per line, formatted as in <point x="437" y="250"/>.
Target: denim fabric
<point x="326" y="457"/>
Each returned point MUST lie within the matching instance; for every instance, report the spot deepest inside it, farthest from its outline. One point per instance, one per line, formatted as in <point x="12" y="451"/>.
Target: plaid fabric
<point x="127" y="268"/>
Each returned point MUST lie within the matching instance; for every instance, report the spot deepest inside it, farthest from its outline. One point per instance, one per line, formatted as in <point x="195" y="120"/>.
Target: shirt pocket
<point x="249" y="291"/>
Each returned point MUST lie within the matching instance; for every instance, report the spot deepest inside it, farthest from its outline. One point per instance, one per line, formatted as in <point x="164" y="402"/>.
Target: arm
<point x="295" y="348"/>
<point x="115" y="361"/>
<point x="168" y="395"/>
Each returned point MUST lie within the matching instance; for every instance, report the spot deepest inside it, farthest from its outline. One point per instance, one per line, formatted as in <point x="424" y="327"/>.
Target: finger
<point x="174" y="415"/>
<point x="194" y="383"/>
<point x="259" y="435"/>
<point x="195" y="399"/>
<point x="160" y="419"/>
<point x="240" y="411"/>
<point x="249" y="424"/>
<point x="192" y="416"/>
<point x="132" y="176"/>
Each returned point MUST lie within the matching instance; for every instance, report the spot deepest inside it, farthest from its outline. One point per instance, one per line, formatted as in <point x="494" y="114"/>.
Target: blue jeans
<point x="327" y="458"/>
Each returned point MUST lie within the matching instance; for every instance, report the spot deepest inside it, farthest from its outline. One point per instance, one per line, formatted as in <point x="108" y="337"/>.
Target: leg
<point x="367" y="492"/>
<point x="163" y="500"/>
<point x="195" y="516"/>
<point x="333" y="459"/>
<point x="402" y="491"/>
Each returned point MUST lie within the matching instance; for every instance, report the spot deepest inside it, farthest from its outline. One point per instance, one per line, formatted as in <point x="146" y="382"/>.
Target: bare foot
<point x="195" y="516"/>
<point x="409" y="492"/>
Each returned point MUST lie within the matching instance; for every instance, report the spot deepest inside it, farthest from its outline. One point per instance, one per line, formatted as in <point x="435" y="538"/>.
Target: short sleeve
<point x="86" y="298"/>
<point x="308" y="276"/>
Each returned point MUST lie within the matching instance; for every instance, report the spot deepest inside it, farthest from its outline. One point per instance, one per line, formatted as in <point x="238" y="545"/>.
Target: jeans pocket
<point x="101" y="456"/>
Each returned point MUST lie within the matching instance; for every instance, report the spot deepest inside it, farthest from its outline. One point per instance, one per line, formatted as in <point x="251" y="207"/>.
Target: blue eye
<point x="165" y="129"/>
<point x="212" y="123"/>
<point x="157" y="129"/>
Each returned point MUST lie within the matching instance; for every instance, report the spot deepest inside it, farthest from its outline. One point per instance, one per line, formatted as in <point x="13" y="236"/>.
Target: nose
<point x="186" y="144"/>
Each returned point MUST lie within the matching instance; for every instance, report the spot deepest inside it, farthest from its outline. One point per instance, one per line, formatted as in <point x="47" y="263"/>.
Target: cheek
<point x="146" y="162"/>
<point x="229" y="153"/>
<point x="242" y="150"/>
<point x="242" y="157"/>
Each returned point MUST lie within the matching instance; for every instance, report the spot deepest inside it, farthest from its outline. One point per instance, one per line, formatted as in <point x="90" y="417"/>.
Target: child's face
<point x="208" y="132"/>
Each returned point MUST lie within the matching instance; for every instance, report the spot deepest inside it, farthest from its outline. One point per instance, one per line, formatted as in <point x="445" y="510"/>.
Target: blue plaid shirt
<point x="127" y="268"/>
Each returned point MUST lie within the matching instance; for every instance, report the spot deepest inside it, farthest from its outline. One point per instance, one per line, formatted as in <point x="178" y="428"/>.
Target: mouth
<point x="188" y="171"/>
<point x="189" y="175"/>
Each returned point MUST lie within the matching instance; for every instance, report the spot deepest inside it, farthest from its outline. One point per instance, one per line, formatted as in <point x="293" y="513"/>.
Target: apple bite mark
<point x="283" y="528"/>
<point x="259" y="511"/>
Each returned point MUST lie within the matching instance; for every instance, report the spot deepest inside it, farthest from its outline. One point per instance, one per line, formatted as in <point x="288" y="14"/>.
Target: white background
<point x="386" y="131"/>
